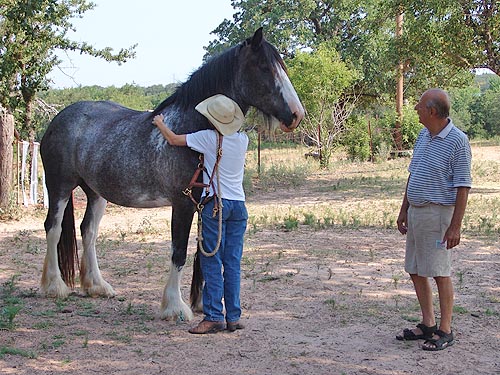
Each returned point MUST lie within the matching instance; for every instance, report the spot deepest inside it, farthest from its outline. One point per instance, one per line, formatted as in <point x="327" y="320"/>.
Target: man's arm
<point x="452" y="235"/>
<point x="172" y="138"/>
<point x="403" y="213"/>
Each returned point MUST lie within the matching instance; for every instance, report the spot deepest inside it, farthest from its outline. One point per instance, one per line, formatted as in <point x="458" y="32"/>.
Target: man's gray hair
<point x="440" y="101"/>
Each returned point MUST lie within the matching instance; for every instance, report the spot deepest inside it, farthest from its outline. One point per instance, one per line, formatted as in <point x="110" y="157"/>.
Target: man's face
<point x="423" y="112"/>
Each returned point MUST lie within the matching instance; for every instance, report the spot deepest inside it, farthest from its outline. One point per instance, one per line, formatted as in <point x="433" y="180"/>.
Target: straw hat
<point x="223" y="112"/>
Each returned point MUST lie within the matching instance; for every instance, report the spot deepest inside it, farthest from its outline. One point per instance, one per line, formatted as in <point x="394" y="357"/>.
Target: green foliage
<point x="442" y="40"/>
<point x="14" y="351"/>
<point x="30" y="32"/>
<point x="357" y="137"/>
<point x="290" y="222"/>
<point x="356" y="140"/>
<point x="444" y="37"/>
<point x="320" y="77"/>
<point x="491" y="110"/>
<point x="10" y="305"/>
<point x="476" y="109"/>
<point x="321" y="80"/>
<point x="464" y="100"/>
<point x="410" y="126"/>
<point x="335" y="51"/>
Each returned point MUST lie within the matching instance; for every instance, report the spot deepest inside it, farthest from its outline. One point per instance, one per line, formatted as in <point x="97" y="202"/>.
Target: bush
<point x="356" y="139"/>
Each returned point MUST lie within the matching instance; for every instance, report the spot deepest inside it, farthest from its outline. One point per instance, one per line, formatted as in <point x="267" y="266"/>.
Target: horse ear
<point x="257" y="39"/>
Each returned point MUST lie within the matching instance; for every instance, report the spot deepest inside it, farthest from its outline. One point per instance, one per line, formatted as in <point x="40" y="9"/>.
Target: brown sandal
<point x="206" y="326"/>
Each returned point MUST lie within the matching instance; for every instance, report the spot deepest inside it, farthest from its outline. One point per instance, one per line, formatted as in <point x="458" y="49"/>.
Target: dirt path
<point x="315" y="302"/>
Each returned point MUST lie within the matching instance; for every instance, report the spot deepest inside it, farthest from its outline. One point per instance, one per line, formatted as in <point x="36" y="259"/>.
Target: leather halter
<point x="206" y="198"/>
<point x="202" y="169"/>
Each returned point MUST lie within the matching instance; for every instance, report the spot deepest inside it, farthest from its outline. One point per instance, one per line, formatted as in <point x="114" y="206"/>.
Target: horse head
<point x="263" y="83"/>
<point x="252" y="73"/>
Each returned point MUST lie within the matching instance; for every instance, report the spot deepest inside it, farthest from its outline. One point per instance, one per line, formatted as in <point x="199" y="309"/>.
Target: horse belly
<point x="130" y="193"/>
<point x="141" y="202"/>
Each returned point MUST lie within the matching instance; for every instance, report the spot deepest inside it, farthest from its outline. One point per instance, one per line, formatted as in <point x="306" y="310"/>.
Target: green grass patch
<point x="10" y="304"/>
<point x="6" y="350"/>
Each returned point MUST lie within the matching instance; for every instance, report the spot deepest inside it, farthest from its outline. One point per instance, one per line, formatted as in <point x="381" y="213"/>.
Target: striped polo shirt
<point x="439" y="165"/>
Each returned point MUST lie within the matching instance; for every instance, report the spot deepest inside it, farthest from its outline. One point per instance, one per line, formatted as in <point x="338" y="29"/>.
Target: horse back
<point x="117" y="152"/>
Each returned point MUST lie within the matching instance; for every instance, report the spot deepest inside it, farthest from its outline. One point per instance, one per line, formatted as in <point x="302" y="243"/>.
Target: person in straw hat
<point x="221" y="271"/>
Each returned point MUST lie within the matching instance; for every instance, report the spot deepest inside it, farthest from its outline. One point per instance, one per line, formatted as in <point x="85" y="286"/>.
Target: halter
<point x="205" y="198"/>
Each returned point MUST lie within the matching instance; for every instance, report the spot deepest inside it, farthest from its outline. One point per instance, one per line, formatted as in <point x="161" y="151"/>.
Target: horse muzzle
<point x="298" y="116"/>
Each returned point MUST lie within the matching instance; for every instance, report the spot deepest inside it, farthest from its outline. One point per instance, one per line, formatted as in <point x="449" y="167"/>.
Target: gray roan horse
<point x="115" y="154"/>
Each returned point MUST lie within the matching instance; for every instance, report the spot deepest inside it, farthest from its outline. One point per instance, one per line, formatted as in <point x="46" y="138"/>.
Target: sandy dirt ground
<point x="315" y="301"/>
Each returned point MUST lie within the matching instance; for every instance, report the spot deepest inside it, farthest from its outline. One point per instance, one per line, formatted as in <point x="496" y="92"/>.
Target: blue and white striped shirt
<point x="440" y="165"/>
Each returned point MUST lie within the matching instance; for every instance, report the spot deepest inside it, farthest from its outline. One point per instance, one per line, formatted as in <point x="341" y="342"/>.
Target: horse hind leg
<point x="91" y="280"/>
<point x="52" y="283"/>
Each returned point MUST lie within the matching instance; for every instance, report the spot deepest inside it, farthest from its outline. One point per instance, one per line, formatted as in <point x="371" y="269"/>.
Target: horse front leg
<point x="172" y="305"/>
<point x="91" y="280"/>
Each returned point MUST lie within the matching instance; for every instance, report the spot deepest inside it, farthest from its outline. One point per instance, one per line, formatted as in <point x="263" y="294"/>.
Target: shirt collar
<point x="443" y="133"/>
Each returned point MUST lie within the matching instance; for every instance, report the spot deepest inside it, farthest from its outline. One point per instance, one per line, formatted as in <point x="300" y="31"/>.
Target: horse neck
<point x="216" y="76"/>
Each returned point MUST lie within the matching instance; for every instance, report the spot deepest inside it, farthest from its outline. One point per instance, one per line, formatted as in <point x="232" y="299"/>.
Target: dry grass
<point x="357" y="194"/>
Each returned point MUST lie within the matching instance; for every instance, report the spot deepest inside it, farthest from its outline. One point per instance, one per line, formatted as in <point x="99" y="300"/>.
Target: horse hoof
<point x="104" y="290"/>
<point x="56" y="291"/>
<point x="182" y="315"/>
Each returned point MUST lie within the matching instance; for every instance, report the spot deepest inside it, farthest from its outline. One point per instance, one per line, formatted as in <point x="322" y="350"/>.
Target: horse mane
<point x="214" y="76"/>
<point x="201" y="83"/>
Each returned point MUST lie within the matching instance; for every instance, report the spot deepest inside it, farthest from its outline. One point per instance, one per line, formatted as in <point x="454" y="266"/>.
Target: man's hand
<point x="452" y="237"/>
<point x="402" y="222"/>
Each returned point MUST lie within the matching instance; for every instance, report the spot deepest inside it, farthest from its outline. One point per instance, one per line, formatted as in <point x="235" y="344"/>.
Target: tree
<point x="30" y="33"/>
<point x="321" y="79"/>
<point x="443" y="40"/>
<point x="353" y="27"/>
<point x="6" y="155"/>
<point x="462" y="34"/>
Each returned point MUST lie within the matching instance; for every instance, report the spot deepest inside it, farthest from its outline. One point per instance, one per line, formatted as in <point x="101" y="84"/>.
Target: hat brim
<point x="224" y="128"/>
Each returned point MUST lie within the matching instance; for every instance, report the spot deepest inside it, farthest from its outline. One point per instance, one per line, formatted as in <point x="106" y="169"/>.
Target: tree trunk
<point x="6" y="156"/>
<point x="399" y="86"/>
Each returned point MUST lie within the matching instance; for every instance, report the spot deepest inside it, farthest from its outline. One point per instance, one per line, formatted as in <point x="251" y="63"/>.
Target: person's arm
<point x="403" y="213"/>
<point x="452" y="235"/>
<point x="172" y="138"/>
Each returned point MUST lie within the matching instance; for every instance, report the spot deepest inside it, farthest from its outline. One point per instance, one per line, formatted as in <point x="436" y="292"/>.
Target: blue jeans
<point x="222" y="272"/>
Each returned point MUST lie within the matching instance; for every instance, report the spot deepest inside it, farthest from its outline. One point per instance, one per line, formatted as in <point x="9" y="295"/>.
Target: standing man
<point x="431" y="214"/>
<point x="221" y="271"/>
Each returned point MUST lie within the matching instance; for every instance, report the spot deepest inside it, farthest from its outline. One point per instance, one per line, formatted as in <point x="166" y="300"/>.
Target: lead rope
<point x="217" y="208"/>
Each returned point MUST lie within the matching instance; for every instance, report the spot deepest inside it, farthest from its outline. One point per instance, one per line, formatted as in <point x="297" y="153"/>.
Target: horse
<point x="115" y="154"/>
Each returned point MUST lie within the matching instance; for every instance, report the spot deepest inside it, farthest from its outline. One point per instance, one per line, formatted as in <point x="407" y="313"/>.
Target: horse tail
<point x="196" y="282"/>
<point x="67" y="251"/>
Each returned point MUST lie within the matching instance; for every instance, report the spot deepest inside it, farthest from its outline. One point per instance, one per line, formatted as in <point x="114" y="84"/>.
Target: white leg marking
<point x="52" y="284"/>
<point x="172" y="305"/>
<point x="91" y="280"/>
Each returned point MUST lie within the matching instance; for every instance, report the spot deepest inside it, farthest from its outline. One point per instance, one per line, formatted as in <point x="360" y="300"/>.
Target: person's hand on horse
<point x="158" y="120"/>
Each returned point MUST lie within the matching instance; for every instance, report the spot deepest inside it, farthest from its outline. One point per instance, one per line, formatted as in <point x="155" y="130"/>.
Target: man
<point x="431" y="214"/>
<point x="222" y="270"/>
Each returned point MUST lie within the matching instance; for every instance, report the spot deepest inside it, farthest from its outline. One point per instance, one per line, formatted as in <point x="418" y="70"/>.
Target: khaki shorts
<point x="425" y="254"/>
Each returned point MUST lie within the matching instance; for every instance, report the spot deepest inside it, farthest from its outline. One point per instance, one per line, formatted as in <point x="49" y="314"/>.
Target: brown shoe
<point x="231" y="327"/>
<point x="206" y="326"/>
